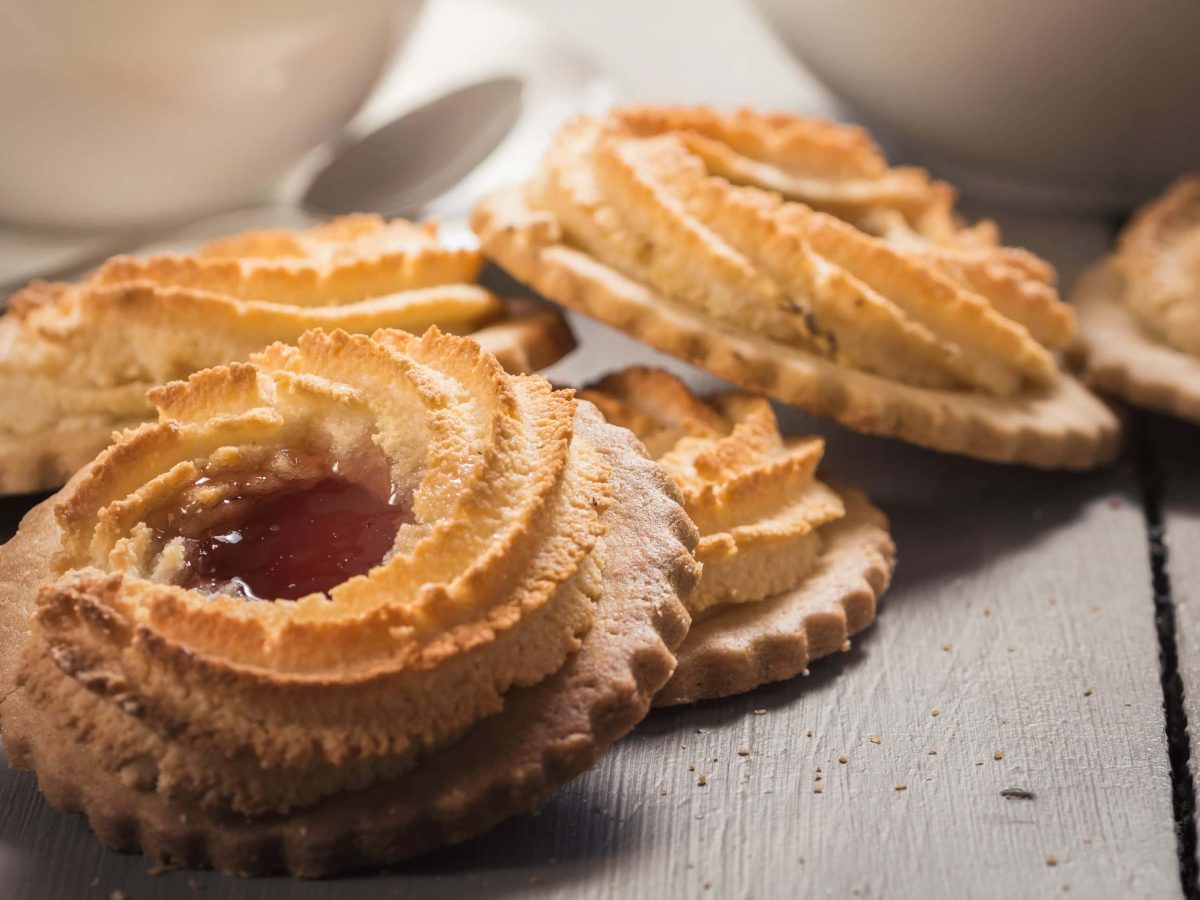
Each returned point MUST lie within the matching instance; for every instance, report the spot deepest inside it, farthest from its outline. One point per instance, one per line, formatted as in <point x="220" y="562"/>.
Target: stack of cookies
<point x="335" y="580"/>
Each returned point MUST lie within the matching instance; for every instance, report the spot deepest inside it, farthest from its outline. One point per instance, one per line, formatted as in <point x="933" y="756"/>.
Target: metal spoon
<point x="394" y="171"/>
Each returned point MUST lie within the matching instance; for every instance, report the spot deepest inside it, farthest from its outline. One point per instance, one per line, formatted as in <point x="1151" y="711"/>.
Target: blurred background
<point x="126" y="120"/>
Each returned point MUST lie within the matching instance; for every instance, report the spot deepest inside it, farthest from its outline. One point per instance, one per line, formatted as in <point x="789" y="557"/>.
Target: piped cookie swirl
<point x="752" y="493"/>
<point x="649" y="207"/>
<point x="792" y="566"/>
<point x="488" y="579"/>
<point x="785" y="255"/>
<point x="838" y="169"/>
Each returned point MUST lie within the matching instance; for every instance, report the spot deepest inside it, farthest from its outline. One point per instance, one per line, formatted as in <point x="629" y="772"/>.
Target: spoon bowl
<point x="408" y="162"/>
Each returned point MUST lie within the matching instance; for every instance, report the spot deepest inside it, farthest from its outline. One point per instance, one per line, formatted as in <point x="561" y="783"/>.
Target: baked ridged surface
<point x="1061" y="427"/>
<point x="742" y="646"/>
<point x="792" y="566"/>
<point x="512" y="761"/>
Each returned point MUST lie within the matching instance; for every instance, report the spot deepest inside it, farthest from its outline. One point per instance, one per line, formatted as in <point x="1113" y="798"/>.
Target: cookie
<point x="77" y="360"/>
<point x="744" y="646"/>
<point x="1139" y="311"/>
<point x="353" y="600"/>
<point x="893" y="319"/>
<point x="792" y="566"/>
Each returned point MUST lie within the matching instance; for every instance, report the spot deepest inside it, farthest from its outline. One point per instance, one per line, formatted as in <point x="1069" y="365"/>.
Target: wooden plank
<point x="1039" y="585"/>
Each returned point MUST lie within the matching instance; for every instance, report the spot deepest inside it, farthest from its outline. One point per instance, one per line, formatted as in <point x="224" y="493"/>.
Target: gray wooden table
<point x="1008" y="726"/>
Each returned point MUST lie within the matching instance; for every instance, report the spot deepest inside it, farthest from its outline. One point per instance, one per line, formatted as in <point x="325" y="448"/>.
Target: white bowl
<point x="121" y="113"/>
<point x="1078" y="102"/>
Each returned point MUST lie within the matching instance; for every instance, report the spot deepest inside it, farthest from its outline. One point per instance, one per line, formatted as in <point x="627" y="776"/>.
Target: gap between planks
<point x="1166" y="453"/>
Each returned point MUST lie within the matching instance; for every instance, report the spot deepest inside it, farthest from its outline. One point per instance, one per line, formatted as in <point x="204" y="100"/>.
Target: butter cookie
<point x="783" y="255"/>
<point x="342" y="603"/>
<point x="1139" y="310"/>
<point x="792" y="566"/>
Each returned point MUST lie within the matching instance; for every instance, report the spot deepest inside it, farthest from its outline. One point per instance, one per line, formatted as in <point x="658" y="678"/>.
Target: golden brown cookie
<point x="792" y="567"/>
<point x="349" y="601"/>
<point x="1139" y="310"/>
<point x="686" y="229"/>
<point x="77" y="360"/>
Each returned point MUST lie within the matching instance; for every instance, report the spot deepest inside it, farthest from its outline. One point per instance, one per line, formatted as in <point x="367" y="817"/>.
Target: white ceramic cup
<point x="124" y="112"/>
<point x="1085" y="103"/>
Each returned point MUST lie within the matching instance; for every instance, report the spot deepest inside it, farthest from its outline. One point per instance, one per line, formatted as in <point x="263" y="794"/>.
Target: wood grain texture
<point x="1039" y="586"/>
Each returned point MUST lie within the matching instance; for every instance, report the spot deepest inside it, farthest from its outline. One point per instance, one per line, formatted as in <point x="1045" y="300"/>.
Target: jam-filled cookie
<point x="1139" y="310"/>
<point x="76" y="360"/>
<point x="792" y="566"/>
<point x="783" y="254"/>
<point x="346" y="602"/>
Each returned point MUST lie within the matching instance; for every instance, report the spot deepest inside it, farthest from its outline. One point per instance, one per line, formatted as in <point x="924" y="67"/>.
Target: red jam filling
<point x="297" y="541"/>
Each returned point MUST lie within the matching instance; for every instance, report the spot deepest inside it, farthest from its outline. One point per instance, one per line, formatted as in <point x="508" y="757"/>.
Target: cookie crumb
<point x="743" y="751"/>
<point x="1017" y="794"/>
<point x="817" y="789"/>
<point x="1087" y="692"/>
<point x="1053" y="601"/>
<point x="842" y="759"/>
<point x="1051" y="859"/>
<point x="1012" y="649"/>
<point x="691" y="767"/>
<point x="935" y="712"/>
<point x="808" y="733"/>
<point x="663" y="792"/>
<point x="947" y="647"/>
<point x="874" y="739"/>
<point x="998" y="755"/>
<point x="707" y="885"/>
<point x="931" y="752"/>
<point x="118" y="894"/>
<point x="760" y="712"/>
<point x="702" y="780"/>
<point x="901" y="786"/>
<point x="817" y="777"/>
<point x="987" y="611"/>
<point x="979" y="762"/>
